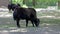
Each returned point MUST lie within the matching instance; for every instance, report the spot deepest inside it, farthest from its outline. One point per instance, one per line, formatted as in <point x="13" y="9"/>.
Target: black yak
<point x="29" y="14"/>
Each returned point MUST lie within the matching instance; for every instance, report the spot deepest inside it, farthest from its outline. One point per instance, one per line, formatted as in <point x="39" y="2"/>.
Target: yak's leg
<point x="32" y="23"/>
<point x="18" y="23"/>
<point x="26" y="23"/>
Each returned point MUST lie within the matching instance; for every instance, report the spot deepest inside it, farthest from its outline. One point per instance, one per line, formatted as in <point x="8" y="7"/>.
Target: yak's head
<point x="37" y="22"/>
<point x="10" y="6"/>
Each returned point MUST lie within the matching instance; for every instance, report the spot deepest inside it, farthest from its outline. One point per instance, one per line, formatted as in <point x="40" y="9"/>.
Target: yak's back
<point x="25" y="12"/>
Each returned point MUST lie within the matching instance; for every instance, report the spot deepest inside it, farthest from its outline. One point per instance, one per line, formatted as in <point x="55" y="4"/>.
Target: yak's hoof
<point x="18" y="26"/>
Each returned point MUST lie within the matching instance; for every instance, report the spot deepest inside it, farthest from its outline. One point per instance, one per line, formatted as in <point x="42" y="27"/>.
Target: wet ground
<point x="8" y="26"/>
